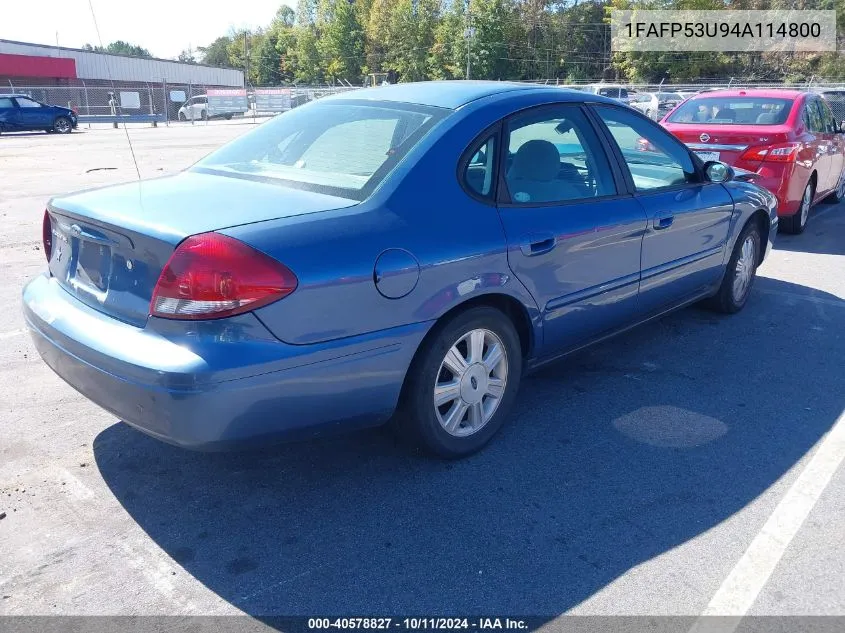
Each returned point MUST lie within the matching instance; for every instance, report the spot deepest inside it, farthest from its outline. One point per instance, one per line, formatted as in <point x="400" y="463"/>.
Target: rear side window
<point x="554" y="155"/>
<point x="479" y="171"/>
<point x="814" y="116"/>
<point x="5" y="102"/>
<point x="733" y="111"/>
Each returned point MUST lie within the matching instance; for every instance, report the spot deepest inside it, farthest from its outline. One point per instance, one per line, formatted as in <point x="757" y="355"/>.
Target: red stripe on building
<point x="32" y="66"/>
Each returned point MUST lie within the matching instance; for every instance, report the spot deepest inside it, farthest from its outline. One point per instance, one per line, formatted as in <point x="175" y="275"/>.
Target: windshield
<point x="733" y="111"/>
<point x="343" y="148"/>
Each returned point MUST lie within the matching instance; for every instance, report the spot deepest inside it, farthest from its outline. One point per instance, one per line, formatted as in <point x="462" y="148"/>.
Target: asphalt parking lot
<point x="693" y="465"/>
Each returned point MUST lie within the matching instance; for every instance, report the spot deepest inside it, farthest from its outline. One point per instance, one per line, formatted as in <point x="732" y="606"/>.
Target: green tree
<point x="217" y="53"/>
<point x="341" y="41"/>
<point x="119" y="47"/>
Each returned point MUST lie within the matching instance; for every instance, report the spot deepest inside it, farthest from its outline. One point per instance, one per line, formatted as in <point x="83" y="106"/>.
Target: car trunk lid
<point x="110" y="245"/>
<point x="721" y="142"/>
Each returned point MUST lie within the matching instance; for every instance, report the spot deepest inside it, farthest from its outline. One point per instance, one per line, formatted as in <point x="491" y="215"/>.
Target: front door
<point x="33" y="115"/>
<point x="689" y="218"/>
<point x="574" y="236"/>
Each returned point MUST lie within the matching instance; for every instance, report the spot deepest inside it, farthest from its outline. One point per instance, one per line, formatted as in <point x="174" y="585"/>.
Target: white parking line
<point x="740" y="589"/>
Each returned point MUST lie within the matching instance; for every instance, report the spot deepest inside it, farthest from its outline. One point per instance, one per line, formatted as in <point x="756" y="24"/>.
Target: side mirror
<point x="842" y="127"/>
<point x="717" y="171"/>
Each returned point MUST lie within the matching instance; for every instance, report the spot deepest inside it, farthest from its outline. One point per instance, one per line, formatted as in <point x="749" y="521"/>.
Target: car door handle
<point x="538" y="246"/>
<point x="663" y="222"/>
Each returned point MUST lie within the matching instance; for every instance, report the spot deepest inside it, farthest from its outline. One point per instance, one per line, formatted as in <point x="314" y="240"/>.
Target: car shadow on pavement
<point x="823" y="234"/>
<point x="613" y="457"/>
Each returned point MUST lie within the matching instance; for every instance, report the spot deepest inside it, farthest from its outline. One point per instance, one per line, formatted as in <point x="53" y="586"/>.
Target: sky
<point x="163" y="27"/>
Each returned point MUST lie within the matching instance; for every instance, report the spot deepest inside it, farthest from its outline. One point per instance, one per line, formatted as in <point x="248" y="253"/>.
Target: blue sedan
<point x="401" y="253"/>
<point x="19" y="113"/>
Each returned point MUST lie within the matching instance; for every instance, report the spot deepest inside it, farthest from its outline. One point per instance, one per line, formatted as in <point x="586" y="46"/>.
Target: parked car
<point x="20" y="113"/>
<point x="613" y="91"/>
<point x="196" y="109"/>
<point x="655" y="105"/>
<point x="789" y="137"/>
<point x="412" y="251"/>
<point x="835" y="98"/>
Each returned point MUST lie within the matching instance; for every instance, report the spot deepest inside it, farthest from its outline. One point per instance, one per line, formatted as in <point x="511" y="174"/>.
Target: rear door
<point x="820" y="142"/>
<point x="8" y="114"/>
<point x="688" y="217"/>
<point x="837" y="140"/>
<point x="574" y="234"/>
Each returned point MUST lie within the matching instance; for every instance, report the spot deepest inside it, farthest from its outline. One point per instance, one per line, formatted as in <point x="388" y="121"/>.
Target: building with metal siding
<point x="100" y="67"/>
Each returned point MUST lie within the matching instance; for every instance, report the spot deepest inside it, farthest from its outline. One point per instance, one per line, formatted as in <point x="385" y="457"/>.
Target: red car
<point x="789" y="137"/>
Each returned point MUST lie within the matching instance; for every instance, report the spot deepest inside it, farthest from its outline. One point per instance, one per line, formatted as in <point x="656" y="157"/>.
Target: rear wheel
<point x="204" y="115"/>
<point x="740" y="272"/>
<point x="62" y="125"/>
<point x="797" y="223"/>
<point x="462" y="383"/>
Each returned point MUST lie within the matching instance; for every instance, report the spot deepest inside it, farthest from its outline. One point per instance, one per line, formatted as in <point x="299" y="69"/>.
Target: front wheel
<point x="62" y="125"/>
<point x="462" y="383"/>
<point x="182" y="117"/>
<point x="740" y="272"/>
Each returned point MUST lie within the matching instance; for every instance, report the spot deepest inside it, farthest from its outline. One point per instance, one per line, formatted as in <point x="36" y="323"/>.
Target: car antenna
<point x="113" y="89"/>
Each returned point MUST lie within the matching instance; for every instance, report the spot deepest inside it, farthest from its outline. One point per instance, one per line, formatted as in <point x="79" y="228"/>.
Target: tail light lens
<point x="644" y="145"/>
<point x="47" y="234"/>
<point x="210" y="276"/>
<point x="785" y="153"/>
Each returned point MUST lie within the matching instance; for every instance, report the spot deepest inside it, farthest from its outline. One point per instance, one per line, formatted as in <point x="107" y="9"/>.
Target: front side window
<point x="478" y="174"/>
<point x="27" y="103"/>
<point x="339" y="147"/>
<point x="733" y="111"/>
<point x="555" y="156"/>
<point x="654" y="157"/>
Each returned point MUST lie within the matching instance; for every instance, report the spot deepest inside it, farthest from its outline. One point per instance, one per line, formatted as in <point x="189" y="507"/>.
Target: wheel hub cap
<point x="474" y="383"/>
<point x="744" y="268"/>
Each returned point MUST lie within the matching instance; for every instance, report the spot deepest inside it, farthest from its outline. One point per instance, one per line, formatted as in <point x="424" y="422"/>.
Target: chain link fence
<point x="167" y="101"/>
<point x="172" y="102"/>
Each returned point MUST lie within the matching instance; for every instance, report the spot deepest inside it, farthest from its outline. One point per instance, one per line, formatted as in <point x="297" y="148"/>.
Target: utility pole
<point x="469" y="34"/>
<point x="246" y="60"/>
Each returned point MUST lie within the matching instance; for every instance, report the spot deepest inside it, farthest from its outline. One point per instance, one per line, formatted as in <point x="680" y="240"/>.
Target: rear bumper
<point x="217" y="384"/>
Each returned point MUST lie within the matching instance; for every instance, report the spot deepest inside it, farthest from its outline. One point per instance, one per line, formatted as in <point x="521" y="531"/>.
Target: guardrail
<point x="122" y="118"/>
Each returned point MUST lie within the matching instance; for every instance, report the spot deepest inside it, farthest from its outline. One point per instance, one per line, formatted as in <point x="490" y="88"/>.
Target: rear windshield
<point x="343" y="148"/>
<point x="733" y="111"/>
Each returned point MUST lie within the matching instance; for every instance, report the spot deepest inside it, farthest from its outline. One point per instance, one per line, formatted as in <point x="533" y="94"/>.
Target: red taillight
<point x="47" y="234"/>
<point x="785" y="153"/>
<point x="643" y="145"/>
<point x="210" y="276"/>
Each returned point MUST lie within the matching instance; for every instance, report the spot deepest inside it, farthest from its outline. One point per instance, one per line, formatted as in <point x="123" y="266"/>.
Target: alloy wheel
<point x="470" y="383"/>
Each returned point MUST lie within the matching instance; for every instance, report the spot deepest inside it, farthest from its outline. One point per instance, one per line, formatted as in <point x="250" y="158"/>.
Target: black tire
<point x="418" y="418"/>
<point x="204" y="115"/>
<point x="228" y="116"/>
<point x="62" y="125"/>
<point x="726" y="299"/>
<point x="182" y="117"/>
<point x="795" y="224"/>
